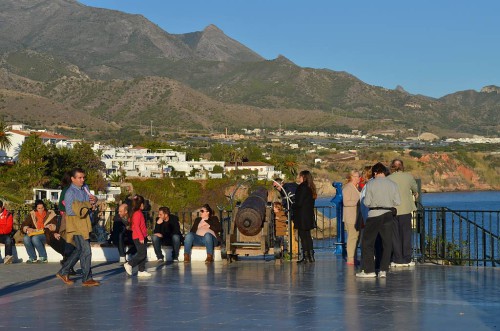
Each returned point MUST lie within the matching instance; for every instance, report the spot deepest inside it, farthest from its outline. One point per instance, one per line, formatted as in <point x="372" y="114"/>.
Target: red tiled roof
<point x="43" y="135"/>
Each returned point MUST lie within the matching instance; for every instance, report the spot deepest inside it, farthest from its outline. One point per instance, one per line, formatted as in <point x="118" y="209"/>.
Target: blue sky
<point x="430" y="47"/>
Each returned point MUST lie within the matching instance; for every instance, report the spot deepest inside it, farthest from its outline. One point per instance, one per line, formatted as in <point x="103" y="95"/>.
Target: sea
<point x="475" y="200"/>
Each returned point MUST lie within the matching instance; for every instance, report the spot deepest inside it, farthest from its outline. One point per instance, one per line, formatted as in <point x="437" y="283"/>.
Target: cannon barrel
<point x="252" y="213"/>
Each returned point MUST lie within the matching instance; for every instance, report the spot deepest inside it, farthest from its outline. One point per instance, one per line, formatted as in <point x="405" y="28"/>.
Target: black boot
<point x="304" y="258"/>
<point x="310" y="256"/>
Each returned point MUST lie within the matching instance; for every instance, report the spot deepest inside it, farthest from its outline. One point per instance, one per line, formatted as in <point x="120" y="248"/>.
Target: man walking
<point x="78" y="226"/>
<point x="401" y="238"/>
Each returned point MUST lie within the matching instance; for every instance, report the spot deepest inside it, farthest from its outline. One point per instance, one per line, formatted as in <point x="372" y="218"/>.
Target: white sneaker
<point x="143" y="274"/>
<point x="398" y="265"/>
<point x="7" y="259"/>
<point x="362" y="274"/>
<point x="122" y="259"/>
<point x="382" y="274"/>
<point x="411" y="264"/>
<point x="128" y="269"/>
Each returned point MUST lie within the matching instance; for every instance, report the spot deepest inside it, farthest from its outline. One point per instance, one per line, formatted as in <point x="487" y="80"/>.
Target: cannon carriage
<point x="251" y="230"/>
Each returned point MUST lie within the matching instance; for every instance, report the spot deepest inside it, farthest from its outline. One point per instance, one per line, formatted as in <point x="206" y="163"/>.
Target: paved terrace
<point x="252" y="295"/>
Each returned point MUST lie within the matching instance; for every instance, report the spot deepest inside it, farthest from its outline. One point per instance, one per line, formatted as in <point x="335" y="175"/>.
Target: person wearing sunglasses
<point x="205" y="231"/>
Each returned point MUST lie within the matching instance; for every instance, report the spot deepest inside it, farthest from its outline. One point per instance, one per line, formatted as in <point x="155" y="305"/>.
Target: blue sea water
<point x="477" y="200"/>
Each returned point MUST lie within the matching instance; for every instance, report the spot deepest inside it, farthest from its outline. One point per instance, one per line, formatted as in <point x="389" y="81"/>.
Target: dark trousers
<point x="7" y="241"/>
<point x="122" y="238"/>
<point x="62" y="247"/>
<point x="401" y="239"/>
<point x="374" y="226"/>
<point x="140" y="258"/>
<point x="306" y="240"/>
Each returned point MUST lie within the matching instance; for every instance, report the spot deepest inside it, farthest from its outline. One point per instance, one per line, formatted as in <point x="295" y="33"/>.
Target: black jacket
<point x="169" y="228"/>
<point x="303" y="208"/>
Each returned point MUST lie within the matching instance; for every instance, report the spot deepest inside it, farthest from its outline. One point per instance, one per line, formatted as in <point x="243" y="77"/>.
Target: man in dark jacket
<point x="167" y="232"/>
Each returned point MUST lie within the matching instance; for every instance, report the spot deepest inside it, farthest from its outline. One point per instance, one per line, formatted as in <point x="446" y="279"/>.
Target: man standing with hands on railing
<point x="78" y="202"/>
<point x="401" y="238"/>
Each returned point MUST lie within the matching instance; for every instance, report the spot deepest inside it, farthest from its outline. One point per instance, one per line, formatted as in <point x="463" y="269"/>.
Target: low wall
<point x="108" y="253"/>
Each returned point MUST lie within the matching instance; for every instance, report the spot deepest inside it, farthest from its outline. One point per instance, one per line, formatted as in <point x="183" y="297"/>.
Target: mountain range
<point x="88" y="70"/>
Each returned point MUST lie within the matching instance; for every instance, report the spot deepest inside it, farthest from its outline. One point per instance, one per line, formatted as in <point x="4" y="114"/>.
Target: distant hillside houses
<point x="142" y="162"/>
<point x="137" y="161"/>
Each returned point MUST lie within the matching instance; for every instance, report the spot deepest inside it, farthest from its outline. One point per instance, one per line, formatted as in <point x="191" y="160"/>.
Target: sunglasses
<point x="203" y="211"/>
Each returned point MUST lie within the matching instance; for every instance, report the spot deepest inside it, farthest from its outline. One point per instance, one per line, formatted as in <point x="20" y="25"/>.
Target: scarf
<point x="40" y="217"/>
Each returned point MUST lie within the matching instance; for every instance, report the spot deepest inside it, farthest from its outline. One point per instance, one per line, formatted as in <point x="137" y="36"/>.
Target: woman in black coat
<point x="303" y="212"/>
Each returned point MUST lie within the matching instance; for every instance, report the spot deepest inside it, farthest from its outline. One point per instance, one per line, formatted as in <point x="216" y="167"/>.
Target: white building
<point x="264" y="170"/>
<point x="18" y="135"/>
<point x="140" y="161"/>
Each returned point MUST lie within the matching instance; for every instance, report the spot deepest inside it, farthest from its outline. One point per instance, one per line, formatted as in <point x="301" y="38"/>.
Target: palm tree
<point x="4" y="136"/>
<point x="162" y="163"/>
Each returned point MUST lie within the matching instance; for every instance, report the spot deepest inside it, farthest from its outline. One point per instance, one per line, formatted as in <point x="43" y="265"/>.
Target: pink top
<point x="139" y="230"/>
<point x="203" y="228"/>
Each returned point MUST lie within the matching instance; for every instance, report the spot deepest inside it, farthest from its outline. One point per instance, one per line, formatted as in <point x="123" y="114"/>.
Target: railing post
<point x="443" y="233"/>
<point x="337" y="201"/>
<point x="484" y="248"/>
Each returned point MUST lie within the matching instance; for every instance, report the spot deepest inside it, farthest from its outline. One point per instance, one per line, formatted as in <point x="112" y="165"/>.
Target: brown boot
<point x="210" y="258"/>
<point x="65" y="279"/>
<point x="187" y="258"/>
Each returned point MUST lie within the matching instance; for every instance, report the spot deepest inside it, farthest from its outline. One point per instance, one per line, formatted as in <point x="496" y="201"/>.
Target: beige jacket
<point x="350" y="198"/>
<point x="76" y="226"/>
<point x="407" y="187"/>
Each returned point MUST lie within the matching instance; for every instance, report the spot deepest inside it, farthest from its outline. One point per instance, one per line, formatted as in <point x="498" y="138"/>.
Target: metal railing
<point x="457" y="237"/>
<point x="325" y="233"/>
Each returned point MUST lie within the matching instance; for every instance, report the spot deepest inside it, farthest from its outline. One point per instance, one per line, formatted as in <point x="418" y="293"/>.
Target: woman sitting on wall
<point x="37" y="227"/>
<point x="204" y="232"/>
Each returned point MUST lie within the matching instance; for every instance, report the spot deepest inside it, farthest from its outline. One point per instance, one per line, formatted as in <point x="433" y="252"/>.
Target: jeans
<point x="192" y="239"/>
<point x="37" y="242"/>
<point x="83" y="253"/>
<point x="140" y="258"/>
<point x="174" y="240"/>
<point x="7" y="240"/>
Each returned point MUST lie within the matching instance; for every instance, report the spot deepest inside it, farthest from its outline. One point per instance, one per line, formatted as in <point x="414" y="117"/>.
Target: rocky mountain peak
<point x="491" y="89"/>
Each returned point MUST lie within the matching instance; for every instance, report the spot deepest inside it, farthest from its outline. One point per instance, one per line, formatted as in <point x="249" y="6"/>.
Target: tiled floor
<point x="252" y="295"/>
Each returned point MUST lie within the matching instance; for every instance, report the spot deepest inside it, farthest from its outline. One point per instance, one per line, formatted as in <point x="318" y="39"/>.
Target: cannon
<point x="252" y="213"/>
<point x="251" y="231"/>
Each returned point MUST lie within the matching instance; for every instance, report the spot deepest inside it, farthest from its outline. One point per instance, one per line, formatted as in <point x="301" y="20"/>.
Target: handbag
<point x="18" y="236"/>
<point x="360" y="222"/>
<point x="36" y="233"/>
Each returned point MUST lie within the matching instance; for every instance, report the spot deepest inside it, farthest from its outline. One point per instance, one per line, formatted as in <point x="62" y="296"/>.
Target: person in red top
<point x="6" y="222"/>
<point x="139" y="236"/>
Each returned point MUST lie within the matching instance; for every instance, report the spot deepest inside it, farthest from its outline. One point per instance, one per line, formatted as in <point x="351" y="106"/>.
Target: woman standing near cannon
<point x="303" y="211"/>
